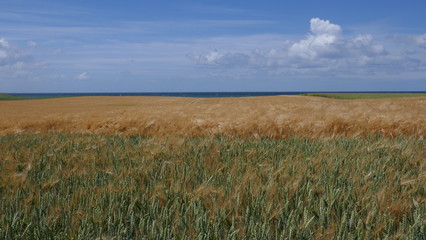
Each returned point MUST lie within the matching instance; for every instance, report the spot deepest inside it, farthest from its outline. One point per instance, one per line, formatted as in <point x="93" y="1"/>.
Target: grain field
<point x="276" y="116"/>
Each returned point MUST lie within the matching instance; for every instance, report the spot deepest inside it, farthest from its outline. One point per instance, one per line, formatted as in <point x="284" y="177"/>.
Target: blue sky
<point x="158" y="46"/>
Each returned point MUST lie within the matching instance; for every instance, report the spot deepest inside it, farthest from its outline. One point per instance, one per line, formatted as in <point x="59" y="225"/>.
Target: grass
<point x="364" y="95"/>
<point x="55" y="186"/>
<point x="11" y="97"/>
<point x="8" y="97"/>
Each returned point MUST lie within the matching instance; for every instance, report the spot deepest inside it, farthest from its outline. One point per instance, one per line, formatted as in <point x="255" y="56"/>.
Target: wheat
<point x="218" y="187"/>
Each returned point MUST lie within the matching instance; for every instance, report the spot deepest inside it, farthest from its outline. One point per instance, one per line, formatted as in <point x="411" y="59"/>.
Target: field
<point x="283" y="167"/>
<point x="365" y="95"/>
<point x="58" y="186"/>
<point x="275" y="117"/>
<point x="8" y="97"/>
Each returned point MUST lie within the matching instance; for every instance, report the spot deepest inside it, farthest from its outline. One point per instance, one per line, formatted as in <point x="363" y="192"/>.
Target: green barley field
<point x="365" y="95"/>
<point x="56" y="186"/>
<point x="8" y="97"/>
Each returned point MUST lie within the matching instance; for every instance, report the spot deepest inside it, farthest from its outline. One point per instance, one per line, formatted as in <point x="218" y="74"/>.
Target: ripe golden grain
<point x="277" y="116"/>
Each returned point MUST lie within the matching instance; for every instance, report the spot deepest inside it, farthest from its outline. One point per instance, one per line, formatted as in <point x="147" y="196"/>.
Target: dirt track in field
<point x="276" y="116"/>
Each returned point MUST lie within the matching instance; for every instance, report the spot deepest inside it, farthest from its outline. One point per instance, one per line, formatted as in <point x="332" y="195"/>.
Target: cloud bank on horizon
<point x="216" y="49"/>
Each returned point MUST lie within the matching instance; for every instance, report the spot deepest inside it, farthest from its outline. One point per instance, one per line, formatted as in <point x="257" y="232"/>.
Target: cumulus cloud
<point x="83" y="76"/>
<point x="324" y="27"/>
<point x="325" y="49"/>
<point x="324" y="39"/>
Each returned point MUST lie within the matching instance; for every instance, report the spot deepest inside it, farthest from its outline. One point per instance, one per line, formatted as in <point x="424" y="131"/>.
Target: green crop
<point x="55" y="186"/>
<point x="365" y="95"/>
<point x="11" y="97"/>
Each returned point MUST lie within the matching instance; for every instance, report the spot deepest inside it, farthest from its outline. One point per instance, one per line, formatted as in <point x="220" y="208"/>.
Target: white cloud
<point x="324" y="40"/>
<point x="215" y="58"/>
<point x="4" y="43"/>
<point x="324" y="27"/>
<point x="210" y="58"/>
<point x="324" y="50"/>
<point x="83" y="76"/>
<point x="10" y="55"/>
<point x="18" y="67"/>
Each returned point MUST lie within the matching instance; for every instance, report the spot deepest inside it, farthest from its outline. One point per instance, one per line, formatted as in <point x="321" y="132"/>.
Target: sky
<point x="209" y="46"/>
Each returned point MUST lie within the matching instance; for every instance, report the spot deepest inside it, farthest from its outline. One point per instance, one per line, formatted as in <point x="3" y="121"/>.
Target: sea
<point x="180" y="94"/>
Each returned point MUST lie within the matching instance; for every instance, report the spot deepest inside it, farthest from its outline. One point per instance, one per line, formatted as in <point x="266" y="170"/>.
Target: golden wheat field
<point x="282" y="167"/>
<point x="276" y="116"/>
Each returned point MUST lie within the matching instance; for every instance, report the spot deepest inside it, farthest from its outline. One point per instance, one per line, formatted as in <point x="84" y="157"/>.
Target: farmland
<point x="274" y="117"/>
<point x="283" y="167"/>
<point x="8" y="97"/>
<point x="365" y="95"/>
<point x="56" y="186"/>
